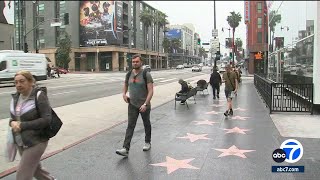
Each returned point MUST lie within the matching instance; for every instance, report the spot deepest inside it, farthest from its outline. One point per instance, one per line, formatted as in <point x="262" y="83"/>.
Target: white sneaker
<point x="146" y="147"/>
<point x="123" y="152"/>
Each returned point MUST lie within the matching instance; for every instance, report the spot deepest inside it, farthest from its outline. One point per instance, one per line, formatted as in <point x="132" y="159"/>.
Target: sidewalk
<point x="86" y="119"/>
<point x="199" y="143"/>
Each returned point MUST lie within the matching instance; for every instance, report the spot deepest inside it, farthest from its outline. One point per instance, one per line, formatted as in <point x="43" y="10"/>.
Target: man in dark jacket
<point x="184" y="89"/>
<point x="215" y="82"/>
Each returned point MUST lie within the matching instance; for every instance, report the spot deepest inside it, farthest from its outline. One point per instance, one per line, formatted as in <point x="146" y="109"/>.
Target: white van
<point x="13" y="61"/>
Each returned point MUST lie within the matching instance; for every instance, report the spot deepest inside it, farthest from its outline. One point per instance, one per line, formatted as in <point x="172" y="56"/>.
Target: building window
<point x="259" y="7"/>
<point x="259" y="40"/>
<point x="259" y="22"/>
<point x="141" y="25"/>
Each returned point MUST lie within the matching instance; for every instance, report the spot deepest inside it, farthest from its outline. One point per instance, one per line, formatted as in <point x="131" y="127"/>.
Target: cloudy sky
<point x="201" y="15"/>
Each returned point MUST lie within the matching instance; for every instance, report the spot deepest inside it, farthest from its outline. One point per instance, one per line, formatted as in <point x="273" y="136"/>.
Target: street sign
<point x="214" y="43"/>
<point x="214" y="32"/>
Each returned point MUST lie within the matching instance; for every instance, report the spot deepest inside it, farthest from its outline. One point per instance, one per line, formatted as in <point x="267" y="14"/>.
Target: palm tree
<point x="161" y="21"/>
<point x="202" y="52"/>
<point x="166" y="45"/>
<point x="146" y="18"/>
<point x="234" y="20"/>
<point x="274" y="19"/>
<point x="239" y="44"/>
<point x="176" y="44"/>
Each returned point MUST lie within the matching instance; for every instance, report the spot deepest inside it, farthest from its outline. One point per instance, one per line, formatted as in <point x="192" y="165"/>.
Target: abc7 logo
<point x="290" y="151"/>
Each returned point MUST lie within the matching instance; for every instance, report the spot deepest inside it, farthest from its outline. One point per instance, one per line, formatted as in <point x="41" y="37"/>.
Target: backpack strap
<point x="127" y="77"/>
<point x="145" y="78"/>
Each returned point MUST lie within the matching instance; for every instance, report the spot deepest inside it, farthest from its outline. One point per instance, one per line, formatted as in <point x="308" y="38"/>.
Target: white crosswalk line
<point x="168" y="80"/>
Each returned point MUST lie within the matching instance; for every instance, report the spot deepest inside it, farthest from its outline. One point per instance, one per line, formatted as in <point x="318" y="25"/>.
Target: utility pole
<point x="215" y="27"/>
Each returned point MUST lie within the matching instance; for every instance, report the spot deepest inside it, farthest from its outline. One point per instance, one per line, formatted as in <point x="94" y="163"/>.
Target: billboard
<point x="7" y="12"/>
<point x="174" y="34"/>
<point x="101" y="23"/>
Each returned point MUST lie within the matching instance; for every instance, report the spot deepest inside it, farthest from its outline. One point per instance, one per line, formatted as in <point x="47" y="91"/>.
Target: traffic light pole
<point x="215" y="27"/>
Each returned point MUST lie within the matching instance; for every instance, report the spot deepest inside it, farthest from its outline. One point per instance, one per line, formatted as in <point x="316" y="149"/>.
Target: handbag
<point x="55" y="123"/>
<point x="11" y="148"/>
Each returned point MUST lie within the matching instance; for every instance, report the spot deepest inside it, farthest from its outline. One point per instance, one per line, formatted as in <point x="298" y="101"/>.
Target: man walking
<point x="140" y="85"/>
<point x="215" y="82"/>
<point x="231" y="87"/>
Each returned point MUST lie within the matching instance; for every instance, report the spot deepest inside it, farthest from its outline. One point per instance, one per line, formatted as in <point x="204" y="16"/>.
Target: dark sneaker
<point x="214" y="97"/>
<point x="182" y="103"/>
<point x="231" y="112"/>
<point x="123" y="152"/>
<point x="226" y="113"/>
<point x="146" y="147"/>
<point x="218" y="96"/>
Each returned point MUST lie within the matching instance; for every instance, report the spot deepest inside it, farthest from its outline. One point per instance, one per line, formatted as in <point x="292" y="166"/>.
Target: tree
<point x="161" y="21"/>
<point x="175" y="45"/>
<point x="147" y="19"/>
<point x="234" y="20"/>
<point x="63" y="52"/>
<point x="202" y="52"/>
<point x="274" y="19"/>
<point x="166" y="45"/>
<point x="238" y="44"/>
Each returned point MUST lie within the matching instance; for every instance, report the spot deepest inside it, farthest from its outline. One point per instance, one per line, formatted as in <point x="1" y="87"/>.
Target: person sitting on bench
<point x="184" y="89"/>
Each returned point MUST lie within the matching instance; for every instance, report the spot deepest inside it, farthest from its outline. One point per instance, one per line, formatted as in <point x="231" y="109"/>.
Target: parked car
<point x="180" y="67"/>
<point x="196" y="68"/>
<point x="146" y="67"/>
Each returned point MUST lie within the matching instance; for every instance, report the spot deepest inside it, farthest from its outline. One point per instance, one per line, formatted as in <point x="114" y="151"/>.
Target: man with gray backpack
<point x="140" y="85"/>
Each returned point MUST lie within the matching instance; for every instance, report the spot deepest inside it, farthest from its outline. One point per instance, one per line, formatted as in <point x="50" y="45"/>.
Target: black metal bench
<point x="183" y="97"/>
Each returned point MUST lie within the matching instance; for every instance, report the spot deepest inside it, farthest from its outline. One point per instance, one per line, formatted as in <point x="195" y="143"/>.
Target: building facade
<point x="6" y="25"/>
<point x="295" y="48"/>
<point x="104" y="34"/>
<point x="185" y="54"/>
<point x="256" y="19"/>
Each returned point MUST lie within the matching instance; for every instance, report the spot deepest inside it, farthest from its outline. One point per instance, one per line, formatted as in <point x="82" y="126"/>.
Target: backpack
<point x="144" y="77"/>
<point x="55" y="123"/>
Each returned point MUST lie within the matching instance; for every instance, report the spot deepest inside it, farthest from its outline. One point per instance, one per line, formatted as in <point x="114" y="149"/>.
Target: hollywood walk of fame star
<point x="174" y="164"/>
<point x="233" y="151"/>
<point x="239" y="109"/>
<point x="205" y="122"/>
<point x="240" y="118"/>
<point x="194" y="137"/>
<point x="237" y="130"/>
<point x="213" y="112"/>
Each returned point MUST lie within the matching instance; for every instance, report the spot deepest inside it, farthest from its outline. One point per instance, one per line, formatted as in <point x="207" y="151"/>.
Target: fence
<point x="285" y="97"/>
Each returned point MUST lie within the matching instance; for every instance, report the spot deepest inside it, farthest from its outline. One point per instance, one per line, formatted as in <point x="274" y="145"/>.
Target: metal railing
<point x="285" y="97"/>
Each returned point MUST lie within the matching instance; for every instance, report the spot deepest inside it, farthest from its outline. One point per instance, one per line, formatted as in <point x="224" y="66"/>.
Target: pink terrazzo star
<point x="239" y="109"/>
<point x="212" y="112"/>
<point x="236" y="130"/>
<point x="174" y="164"/>
<point x="240" y="118"/>
<point x="194" y="137"/>
<point x="233" y="151"/>
<point x="205" y="122"/>
<point x="216" y="105"/>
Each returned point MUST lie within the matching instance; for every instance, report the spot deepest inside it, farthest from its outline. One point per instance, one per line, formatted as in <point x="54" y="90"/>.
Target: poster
<point x="174" y="34"/>
<point x="101" y="23"/>
<point x="7" y="12"/>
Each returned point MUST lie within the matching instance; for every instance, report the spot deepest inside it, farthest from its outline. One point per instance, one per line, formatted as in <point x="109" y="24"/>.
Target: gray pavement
<point x="189" y="158"/>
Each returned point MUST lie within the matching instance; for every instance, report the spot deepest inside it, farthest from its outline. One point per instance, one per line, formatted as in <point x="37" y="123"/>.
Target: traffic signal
<point x="26" y="47"/>
<point x="218" y="55"/>
<point x="66" y="18"/>
<point x="199" y="41"/>
<point x="230" y="55"/>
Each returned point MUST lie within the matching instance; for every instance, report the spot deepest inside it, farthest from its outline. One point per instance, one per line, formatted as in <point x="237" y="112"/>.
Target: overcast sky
<point x="201" y="15"/>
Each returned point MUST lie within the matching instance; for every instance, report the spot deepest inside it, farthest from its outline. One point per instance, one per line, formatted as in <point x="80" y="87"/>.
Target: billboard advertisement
<point x="101" y="23"/>
<point x="7" y="12"/>
<point x="174" y="34"/>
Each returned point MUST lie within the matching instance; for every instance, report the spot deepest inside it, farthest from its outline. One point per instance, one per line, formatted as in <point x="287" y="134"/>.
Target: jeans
<point x="214" y="88"/>
<point x="133" y="114"/>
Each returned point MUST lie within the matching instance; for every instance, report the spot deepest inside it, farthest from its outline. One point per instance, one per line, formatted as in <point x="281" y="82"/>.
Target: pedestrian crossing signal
<point x="258" y="55"/>
<point x="199" y="41"/>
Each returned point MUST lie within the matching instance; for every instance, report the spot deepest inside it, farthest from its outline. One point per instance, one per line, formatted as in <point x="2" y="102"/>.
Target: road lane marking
<point x="158" y="79"/>
<point x="168" y="80"/>
<point x="67" y="92"/>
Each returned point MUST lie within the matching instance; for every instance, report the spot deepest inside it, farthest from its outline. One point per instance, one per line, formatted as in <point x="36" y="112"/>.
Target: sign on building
<point x="214" y="32"/>
<point x="246" y="12"/>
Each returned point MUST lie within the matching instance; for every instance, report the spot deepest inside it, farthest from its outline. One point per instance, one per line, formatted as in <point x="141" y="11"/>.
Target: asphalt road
<point x="74" y="88"/>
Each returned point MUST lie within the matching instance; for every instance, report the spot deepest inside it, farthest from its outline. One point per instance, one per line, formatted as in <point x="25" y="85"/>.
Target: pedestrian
<point x="28" y="126"/>
<point x="140" y="85"/>
<point x="48" y="70"/>
<point x="215" y="82"/>
<point x="231" y="87"/>
<point x="185" y="88"/>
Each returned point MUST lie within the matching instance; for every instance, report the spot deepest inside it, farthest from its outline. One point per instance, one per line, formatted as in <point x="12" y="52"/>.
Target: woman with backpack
<point x="28" y="126"/>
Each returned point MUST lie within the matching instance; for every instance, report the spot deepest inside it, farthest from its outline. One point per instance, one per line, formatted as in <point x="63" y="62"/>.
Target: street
<point x="74" y="88"/>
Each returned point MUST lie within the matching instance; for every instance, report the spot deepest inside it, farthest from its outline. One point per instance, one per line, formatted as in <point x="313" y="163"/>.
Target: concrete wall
<point x="7" y="32"/>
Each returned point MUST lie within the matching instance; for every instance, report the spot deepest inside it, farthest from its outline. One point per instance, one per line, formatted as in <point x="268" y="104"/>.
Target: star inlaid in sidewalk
<point x="236" y="130"/>
<point x="194" y="137"/>
<point x="212" y="112"/>
<point x="239" y="109"/>
<point x="174" y="164"/>
<point x="206" y="122"/>
<point x="240" y="118"/>
<point x="233" y="151"/>
<point x="216" y="105"/>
